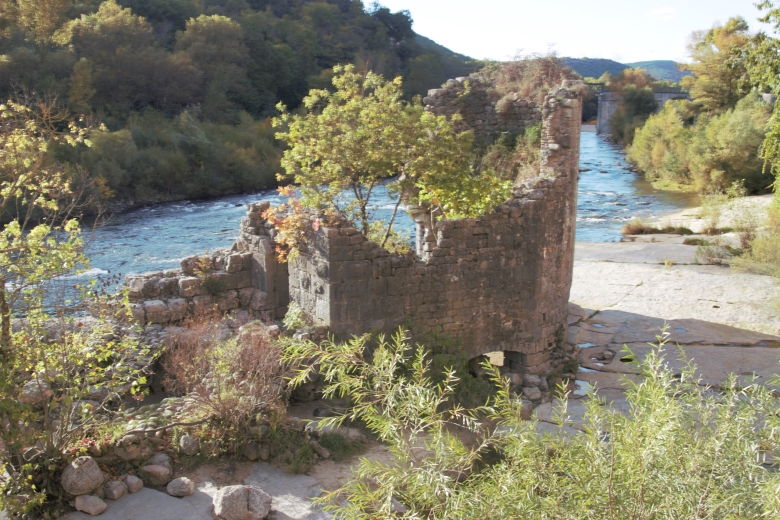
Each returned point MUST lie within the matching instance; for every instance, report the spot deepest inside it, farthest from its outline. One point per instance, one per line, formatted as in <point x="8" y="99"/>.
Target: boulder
<point x="532" y="393"/>
<point x="90" y="504"/>
<point x="34" y="392"/>
<point x="156" y="475"/>
<point x="180" y="487"/>
<point x="251" y="450"/>
<point x="81" y="476"/>
<point x="133" y="483"/>
<point x="189" y="445"/>
<point x="115" y="489"/>
<point x="319" y="449"/>
<point x="242" y="503"/>
<point x="160" y="459"/>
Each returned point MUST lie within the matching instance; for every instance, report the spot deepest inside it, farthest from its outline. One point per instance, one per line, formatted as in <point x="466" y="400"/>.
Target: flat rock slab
<point x="705" y="293"/>
<point x="636" y="252"/>
<point x="292" y="494"/>
<point x="146" y="504"/>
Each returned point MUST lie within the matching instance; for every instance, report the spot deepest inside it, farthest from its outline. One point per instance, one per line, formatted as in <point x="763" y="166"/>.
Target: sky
<point x="623" y="30"/>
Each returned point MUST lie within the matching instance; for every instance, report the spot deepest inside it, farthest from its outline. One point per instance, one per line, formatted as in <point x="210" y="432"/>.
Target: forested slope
<point x="183" y="87"/>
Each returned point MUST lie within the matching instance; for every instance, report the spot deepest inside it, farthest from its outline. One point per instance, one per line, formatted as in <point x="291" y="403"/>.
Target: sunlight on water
<point x="157" y="238"/>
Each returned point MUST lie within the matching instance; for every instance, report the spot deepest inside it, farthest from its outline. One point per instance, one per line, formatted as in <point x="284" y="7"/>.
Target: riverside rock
<point x="181" y="487"/>
<point x="115" y="489"/>
<point x="156" y="475"/>
<point x="90" y="504"/>
<point x="242" y="503"/>
<point x="133" y="483"/>
<point x="189" y="445"/>
<point x="81" y="476"/>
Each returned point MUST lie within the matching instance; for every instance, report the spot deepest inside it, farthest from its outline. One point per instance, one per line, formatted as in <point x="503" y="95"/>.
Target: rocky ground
<point x="623" y="294"/>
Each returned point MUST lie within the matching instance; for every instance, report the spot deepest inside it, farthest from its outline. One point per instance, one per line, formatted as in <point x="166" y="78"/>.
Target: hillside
<point x="661" y="69"/>
<point x="185" y="88"/>
<point x="595" y="67"/>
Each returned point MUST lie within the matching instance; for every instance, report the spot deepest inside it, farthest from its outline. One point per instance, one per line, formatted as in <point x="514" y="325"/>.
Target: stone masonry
<point x="499" y="282"/>
<point x="474" y="99"/>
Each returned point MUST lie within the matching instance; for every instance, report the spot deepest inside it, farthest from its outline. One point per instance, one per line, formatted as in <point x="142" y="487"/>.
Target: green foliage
<point x="183" y="158"/>
<point x="716" y="84"/>
<point x="513" y="157"/>
<point x="295" y="318"/>
<point x="637" y="106"/>
<point x="710" y="154"/>
<point x="58" y="366"/>
<point x="340" y="447"/>
<point x="351" y="140"/>
<point x="621" y="465"/>
<point x="763" y="254"/>
<point x="132" y="63"/>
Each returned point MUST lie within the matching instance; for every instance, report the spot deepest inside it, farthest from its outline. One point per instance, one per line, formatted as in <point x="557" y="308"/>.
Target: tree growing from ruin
<point x="363" y="135"/>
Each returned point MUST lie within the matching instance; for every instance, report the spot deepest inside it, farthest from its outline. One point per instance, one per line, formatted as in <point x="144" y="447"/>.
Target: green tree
<point x="80" y="90"/>
<point x="44" y="381"/>
<point x="352" y="139"/>
<point x="638" y="104"/>
<point x="717" y="76"/>
<point x="42" y="17"/>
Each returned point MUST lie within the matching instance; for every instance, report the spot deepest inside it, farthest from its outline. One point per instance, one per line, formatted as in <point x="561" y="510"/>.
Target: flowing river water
<point x="158" y="237"/>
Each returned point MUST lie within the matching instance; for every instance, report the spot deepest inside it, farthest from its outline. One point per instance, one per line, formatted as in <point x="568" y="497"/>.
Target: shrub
<point x="709" y="154"/>
<point x="638" y="226"/>
<point x="683" y="450"/>
<point x="763" y="255"/>
<point x="295" y="318"/>
<point x="234" y="381"/>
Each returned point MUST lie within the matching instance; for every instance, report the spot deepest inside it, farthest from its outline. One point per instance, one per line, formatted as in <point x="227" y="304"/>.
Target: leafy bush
<point x="514" y="157"/>
<point x="295" y="318"/>
<point x="638" y="104"/>
<point x="763" y="255"/>
<point x="710" y="154"/>
<point x="683" y="450"/>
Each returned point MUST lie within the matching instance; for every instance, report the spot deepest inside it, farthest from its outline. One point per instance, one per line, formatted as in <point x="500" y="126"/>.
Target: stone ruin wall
<point x="479" y="106"/>
<point x="500" y="282"/>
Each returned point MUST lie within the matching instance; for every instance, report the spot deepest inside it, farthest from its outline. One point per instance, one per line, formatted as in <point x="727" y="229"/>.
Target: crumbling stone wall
<point x="481" y="109"/>
<point x="497" y="283"/>
<point x="227" y="281"/>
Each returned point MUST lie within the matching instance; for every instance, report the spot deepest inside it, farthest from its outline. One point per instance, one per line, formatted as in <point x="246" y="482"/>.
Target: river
<point x="158" y="237"/>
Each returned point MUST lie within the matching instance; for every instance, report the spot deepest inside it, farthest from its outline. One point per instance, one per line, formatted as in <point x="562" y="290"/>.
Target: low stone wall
<point x="220" y="283"/>
<point x="481" y="109"/>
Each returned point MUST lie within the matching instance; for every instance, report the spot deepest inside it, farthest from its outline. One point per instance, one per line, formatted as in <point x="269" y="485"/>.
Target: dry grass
<point x="763" y="254"/>
<point x="234" y="381"/>
<point x="639" y="226"/>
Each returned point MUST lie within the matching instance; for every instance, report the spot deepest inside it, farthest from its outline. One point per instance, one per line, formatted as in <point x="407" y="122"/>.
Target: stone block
<point x="156" y="312"/>
<point x="227" y="300"/>
<point x="203" y="303"/>
<point x="260" y="301"/>
<point x="190" y="286"/>
<point x="235" y="263"/>
<point x="178" y="308"/>
<point x="245" y="296"/>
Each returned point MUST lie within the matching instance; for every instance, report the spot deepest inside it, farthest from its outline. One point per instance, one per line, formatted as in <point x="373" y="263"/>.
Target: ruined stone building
<point x="499" y="282"/>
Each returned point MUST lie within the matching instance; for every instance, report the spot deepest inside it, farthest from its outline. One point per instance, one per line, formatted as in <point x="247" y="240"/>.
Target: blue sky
<point x="622" y="30"/>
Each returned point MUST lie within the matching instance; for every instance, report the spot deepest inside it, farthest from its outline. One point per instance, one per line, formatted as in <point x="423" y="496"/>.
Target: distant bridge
<point x="609" y="103"/>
